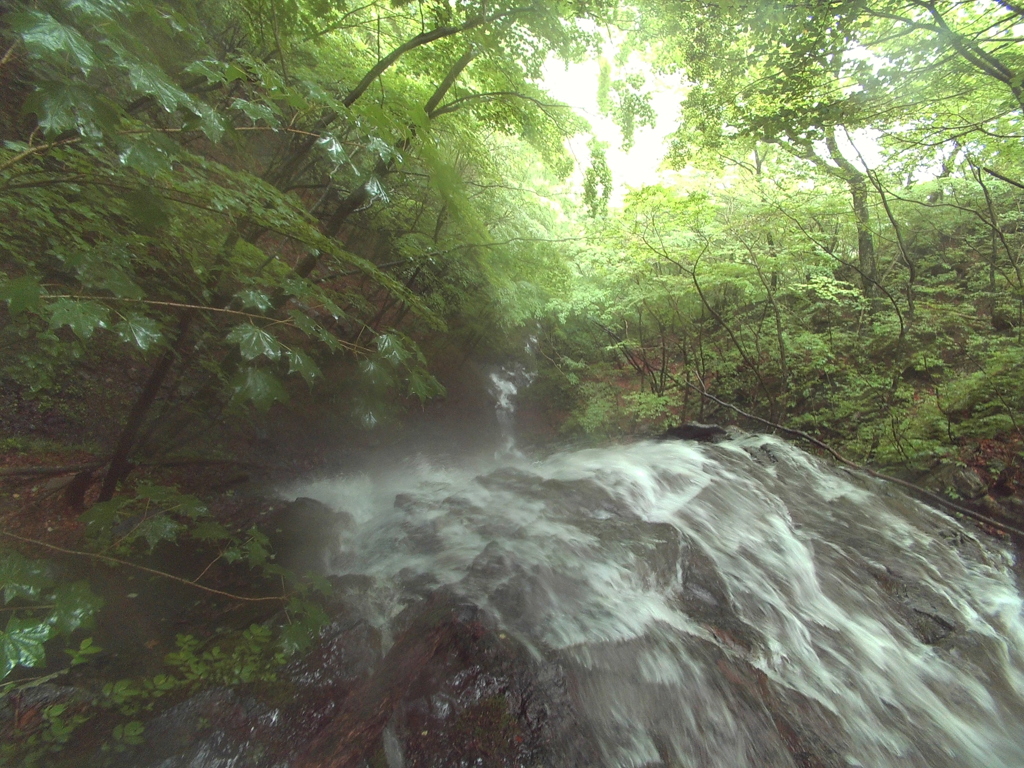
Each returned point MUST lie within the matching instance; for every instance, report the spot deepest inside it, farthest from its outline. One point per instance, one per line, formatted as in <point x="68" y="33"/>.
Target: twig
<point x="34" y="150"/>
<point x="218" y="557"/>
<point x="174" y="304"/>
<point x="930" y="495"/>
<point x="9" y="53"/>
<point x="119" y="561"/>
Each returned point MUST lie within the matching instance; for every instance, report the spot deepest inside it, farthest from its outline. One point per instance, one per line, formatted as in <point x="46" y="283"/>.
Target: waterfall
<point x="723" y="606"/>
<point x="505" y="385"/>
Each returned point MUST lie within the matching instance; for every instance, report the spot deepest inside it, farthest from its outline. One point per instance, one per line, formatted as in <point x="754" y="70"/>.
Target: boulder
<point x="692" y="430"/>
<point x="961" y="482"/>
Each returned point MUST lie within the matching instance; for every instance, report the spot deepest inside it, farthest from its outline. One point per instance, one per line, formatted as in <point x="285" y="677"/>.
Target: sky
<point x="576" y="85"/>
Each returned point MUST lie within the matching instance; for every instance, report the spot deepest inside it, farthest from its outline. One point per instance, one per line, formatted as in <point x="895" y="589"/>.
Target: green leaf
<point x="260" y="388"/>
<point x="253" y="342"/>
<point x="47" y="38"/>
<point x="74" y="606"/>
<point x="209" y="530"/>
<point x="21" y="294"/>
<point x="376" y="374"/>
<point x="149" y="211"/>
<point x="255" y="112"/>
<point x="158" y="528"/>
<point x="150" y="80"/>
<point x="82" y="316"/>
<point x="21" y="577"/>
<point x="211" y="122"/>
<point x="22" y="644"/>
<point x="234" y="72"/>
<point x="172" y="498"/>
<point x="391" y="349"/>
<point x="110" y="275"/>
<point x="60" y="107"/>
<point x="211" y="69"/>
<point x="419" y="117"/>
<point x="85" y="649"/>
<point x="256" y="548"/>
<point x="139" y="330"/>
<point x="335" y="149"/>
<point x="424" y="386"/>
<point x="99" y="9"/>
<point x="295" y="638"/>
<point x="255" y="300"/>
<point x="129" y="733"/>
<point x="145" y="158"/>
<point x="100" y="517"/>
<point x="303" y="365"/>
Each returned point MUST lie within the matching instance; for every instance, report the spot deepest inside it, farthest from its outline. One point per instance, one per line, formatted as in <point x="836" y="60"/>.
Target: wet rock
<point x="494" y="562"/>
<point x="453" y="690"/>
<point x="957" y="481"/>
<point x="347" y="651"/>
<point x="659" y="552"/>
<point x="702" y="433"/>
<point x="968" y="484"/>
<point x="927" y="614"/>
<point x="483" y="699"/>
<point x="991" y="507"/>
<point x="571" y="497"/>
<point x="215" y="728"/>
<point x="423" y="537"/>
<point x="928" y="622"/>
<point x="1014" y="506"/>
<point x="560" y="497"/>
<point x="510" y="478"/>
<point x="21" y="712"/>
<point x="703" y="596"/>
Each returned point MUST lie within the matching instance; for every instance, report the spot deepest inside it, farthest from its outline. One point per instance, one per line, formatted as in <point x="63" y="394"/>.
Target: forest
<point x="216" y="215"/>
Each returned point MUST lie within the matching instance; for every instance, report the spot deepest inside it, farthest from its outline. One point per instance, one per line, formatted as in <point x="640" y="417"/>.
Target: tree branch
<point x="451" y="106"/>
<point x="997" y="175"/>
<point x="129" y="564"/>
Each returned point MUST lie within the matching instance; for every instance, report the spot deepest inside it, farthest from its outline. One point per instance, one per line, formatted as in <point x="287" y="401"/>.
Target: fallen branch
<point x="75" y="468"/>
<point x="930" y="495"/>
<point x="129" y="564"/>
<point x="47" y="471"/>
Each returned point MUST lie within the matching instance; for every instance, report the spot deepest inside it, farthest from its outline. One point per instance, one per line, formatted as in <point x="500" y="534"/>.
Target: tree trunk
<point x="119" y="465"/>
<point x="865" y="241"/>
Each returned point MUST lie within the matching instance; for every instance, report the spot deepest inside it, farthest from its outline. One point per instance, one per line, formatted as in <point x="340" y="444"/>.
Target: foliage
<point x="230" y="202"/>
<point x="40" y="606"/>
<point x="198" y="184"/>
<point x="842" y="255"/>
<point x="46" y="607"/>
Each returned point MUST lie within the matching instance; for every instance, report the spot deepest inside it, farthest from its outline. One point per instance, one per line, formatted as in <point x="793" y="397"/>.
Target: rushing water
<point x="721" y="606"/>
<point x="505" y="385"/>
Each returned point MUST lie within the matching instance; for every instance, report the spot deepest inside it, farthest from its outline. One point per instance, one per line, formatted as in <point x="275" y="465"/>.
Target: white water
<point x="505" y="385"/>
<point x="698" y="596"/>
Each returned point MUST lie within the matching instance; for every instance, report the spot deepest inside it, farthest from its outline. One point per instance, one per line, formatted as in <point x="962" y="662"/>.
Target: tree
<point x="197" y="172"/>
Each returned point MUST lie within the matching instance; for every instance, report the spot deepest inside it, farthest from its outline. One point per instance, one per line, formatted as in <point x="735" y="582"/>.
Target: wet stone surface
<point x="483" y="701"/>
<point x="926" y="614"/>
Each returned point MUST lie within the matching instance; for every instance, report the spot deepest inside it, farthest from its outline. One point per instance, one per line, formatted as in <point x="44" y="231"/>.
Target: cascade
<point x="505" y="385"/>
<point x="681" y="604"/>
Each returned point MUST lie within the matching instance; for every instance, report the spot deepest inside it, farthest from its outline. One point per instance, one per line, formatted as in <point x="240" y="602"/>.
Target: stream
<point x="740" y="604"/>
<point x="656" y="603"/>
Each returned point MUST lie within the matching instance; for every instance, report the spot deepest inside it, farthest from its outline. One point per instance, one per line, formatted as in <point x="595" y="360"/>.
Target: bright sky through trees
<point x="576" y="85"/>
